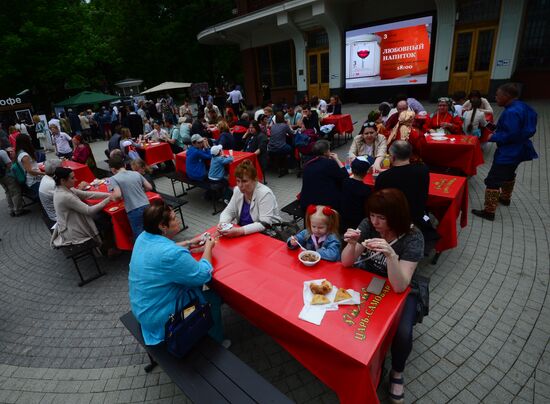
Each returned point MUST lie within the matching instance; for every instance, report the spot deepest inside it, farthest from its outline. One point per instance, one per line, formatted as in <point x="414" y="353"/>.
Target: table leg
<point x="435" y="258"/>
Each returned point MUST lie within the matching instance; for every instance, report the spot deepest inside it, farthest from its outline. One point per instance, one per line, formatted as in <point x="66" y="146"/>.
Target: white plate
<point x="439" y="138"/>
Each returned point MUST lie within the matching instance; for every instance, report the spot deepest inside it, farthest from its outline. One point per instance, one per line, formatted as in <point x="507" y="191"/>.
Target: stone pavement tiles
<point x="485" y="340"/>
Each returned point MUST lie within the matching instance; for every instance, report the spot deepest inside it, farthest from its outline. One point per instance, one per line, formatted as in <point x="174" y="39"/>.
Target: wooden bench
<point x="183" y="179"/>
<point x="209" y="373"/>
<point x="293" y="209"/>
<point x="79" y="252"/>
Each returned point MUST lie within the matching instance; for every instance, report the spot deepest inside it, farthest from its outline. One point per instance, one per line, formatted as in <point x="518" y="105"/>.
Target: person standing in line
<point x="234" y="98"/>
<point x="515" y="128"/>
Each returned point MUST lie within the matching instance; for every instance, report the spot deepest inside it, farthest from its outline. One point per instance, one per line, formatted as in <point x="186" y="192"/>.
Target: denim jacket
<point x="330" y="248"/>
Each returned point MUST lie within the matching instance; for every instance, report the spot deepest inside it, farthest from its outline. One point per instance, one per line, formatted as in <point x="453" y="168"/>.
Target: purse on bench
<point x="187" y="325"/>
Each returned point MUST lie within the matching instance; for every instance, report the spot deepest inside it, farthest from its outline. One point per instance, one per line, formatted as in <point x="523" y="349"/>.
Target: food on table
<point x="324" y="288"/>
<point x="319" y="299"/>
<point x="309" y="257"/>
<point x="342" y="294"/>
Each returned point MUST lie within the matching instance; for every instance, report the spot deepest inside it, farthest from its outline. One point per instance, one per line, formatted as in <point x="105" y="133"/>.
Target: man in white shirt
<point x="235" y="98"/>
<point x="47" y="188"/>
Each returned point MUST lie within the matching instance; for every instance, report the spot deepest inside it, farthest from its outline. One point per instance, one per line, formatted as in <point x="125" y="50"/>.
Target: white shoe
<point x="226" y="343"/>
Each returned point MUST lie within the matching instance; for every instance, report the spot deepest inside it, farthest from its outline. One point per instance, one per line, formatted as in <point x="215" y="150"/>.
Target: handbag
<point x="187" y="325"/>
<point x="18" y="172"/>
<point x="420" y="287"/>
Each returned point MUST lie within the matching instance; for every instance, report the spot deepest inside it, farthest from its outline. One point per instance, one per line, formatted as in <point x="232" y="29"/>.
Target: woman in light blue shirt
<point x="160" y="269"/>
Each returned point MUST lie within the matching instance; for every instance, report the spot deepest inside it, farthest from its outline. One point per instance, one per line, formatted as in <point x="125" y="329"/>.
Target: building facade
<point x="298" y="47"/>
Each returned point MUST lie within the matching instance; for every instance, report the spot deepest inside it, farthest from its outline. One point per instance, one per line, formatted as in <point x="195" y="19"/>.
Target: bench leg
<point x="184" y="226"/>
<point x="148" y="368"/>
<point x="88" y="280"/>
<point x="435" y="258"/>
<point x="172" y="181"/>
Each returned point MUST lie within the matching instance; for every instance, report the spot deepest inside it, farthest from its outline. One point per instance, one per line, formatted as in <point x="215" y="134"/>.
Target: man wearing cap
<point x="195" y="158"/>
<point x="355" y="194"/>
<point x="411" y="179"/>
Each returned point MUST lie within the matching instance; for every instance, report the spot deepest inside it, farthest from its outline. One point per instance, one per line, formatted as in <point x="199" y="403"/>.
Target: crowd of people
<point x="384" y="230"/>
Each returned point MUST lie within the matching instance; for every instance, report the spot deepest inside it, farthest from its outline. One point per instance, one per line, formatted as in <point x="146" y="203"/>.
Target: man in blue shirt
<point x="195" y="158"/>
<point x="516" y="125"/>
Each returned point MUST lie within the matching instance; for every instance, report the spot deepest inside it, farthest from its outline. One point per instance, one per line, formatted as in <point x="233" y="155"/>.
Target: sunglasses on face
<point x="369" y="125"/>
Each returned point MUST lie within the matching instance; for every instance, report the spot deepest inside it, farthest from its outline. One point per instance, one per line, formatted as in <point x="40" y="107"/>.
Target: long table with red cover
<point x="447" y="200"/>
<point x="238" y="158"/>
<point x="155" y="153"/>
<point x="124" y="237"/>
<point x="81" y="171"/>
<point x="463" y="153"/>
<point x="342" y="123"/>
<point x="263" y="280"/>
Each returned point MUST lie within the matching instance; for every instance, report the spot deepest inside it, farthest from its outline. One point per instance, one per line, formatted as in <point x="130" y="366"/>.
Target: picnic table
<point x="238" y="158"/>
<point x="156" y="152"/>
<point x="447" y="200"/>
<point x="263" y="280"/>
<point x="463" y="153"/>
<point x="342" y="122"/>
<point x="81" y="171"/>
<point x="124" y="238"/>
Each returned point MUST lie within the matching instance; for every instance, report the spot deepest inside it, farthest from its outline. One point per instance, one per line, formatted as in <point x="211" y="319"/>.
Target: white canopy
<point x="167" y="85"/>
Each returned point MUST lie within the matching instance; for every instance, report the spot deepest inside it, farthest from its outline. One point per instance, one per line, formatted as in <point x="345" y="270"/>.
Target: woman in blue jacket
<point x="160" y="269"/>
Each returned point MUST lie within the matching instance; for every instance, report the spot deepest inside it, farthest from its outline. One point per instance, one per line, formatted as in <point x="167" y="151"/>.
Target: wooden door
<point x="318" y="73"/>
<point x="472" y="59"/>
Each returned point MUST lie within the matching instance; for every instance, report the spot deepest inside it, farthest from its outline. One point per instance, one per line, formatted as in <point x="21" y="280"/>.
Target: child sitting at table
<point x="320" y="234"/>
<point x="216" y="174"/>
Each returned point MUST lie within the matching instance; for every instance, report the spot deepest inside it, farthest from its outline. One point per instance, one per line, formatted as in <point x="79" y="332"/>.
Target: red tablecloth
<point x="214" y="131"/>
<point x="238" y="158"/>
<point x="263" y="280"/>
<point x="447" y="200"/>
<point x="464" y="153"/>
<point x="124" y="238"/>
<point x="81" y="171"/>
<point x="343" y="123"/>
<point x="157" y="153"/>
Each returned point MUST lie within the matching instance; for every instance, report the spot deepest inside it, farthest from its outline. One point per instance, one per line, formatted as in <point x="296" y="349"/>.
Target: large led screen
<point x="392" y="54"/>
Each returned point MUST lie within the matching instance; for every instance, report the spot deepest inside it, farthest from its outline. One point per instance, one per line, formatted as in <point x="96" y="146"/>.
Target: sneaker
<point x="226" y="343"/>
<point x="226" y="201"/>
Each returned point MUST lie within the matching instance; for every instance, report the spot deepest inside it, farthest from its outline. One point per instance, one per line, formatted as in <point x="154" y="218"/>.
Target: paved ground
<point x="486" y="339"/>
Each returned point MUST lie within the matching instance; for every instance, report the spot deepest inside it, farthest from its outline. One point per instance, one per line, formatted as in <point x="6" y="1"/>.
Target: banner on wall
<point x="397" y="53"/>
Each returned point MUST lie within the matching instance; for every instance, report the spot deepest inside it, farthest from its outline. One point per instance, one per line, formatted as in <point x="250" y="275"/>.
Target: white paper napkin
<point x="312" y="314"/>
<point x="355" y="298"/>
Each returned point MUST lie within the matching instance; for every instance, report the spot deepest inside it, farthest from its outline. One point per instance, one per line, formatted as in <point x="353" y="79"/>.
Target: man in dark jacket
<point x="135" y="123"/>
<point x="411" y="179"/>
<point x="74" y="120"/>
<point x="322" y="178"/>
<point x="515" y="127"/>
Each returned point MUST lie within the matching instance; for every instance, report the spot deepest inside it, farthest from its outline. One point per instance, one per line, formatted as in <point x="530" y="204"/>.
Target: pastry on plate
<point x="342" y="294"/>
<point x="324" y="288"/>
<point x="319" y="299"/>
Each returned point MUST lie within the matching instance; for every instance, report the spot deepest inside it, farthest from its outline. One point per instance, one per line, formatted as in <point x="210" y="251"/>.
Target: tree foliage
<point x="53" y="46"/>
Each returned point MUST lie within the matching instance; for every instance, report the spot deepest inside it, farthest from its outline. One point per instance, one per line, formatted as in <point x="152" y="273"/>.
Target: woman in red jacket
<point x="444" y="119"/>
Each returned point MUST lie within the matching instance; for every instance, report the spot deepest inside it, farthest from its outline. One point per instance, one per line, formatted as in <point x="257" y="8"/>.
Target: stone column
<point x="285" y="23"/>
<point x="446" y="16"/>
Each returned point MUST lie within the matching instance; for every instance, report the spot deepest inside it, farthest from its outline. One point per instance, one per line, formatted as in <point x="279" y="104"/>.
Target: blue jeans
<point x="402" y="341"/>
<point x="135" y="217"/>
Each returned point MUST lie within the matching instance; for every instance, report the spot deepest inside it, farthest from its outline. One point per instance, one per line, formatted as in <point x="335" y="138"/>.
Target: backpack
<point x="18" y="172"/>
<point x="301" y="139"/>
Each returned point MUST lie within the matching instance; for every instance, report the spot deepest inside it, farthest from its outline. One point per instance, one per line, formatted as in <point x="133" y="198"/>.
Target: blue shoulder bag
<point x="187" y="325"/>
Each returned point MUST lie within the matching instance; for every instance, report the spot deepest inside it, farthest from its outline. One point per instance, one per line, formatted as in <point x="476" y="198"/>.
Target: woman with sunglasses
<point x="369" y="143"/>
